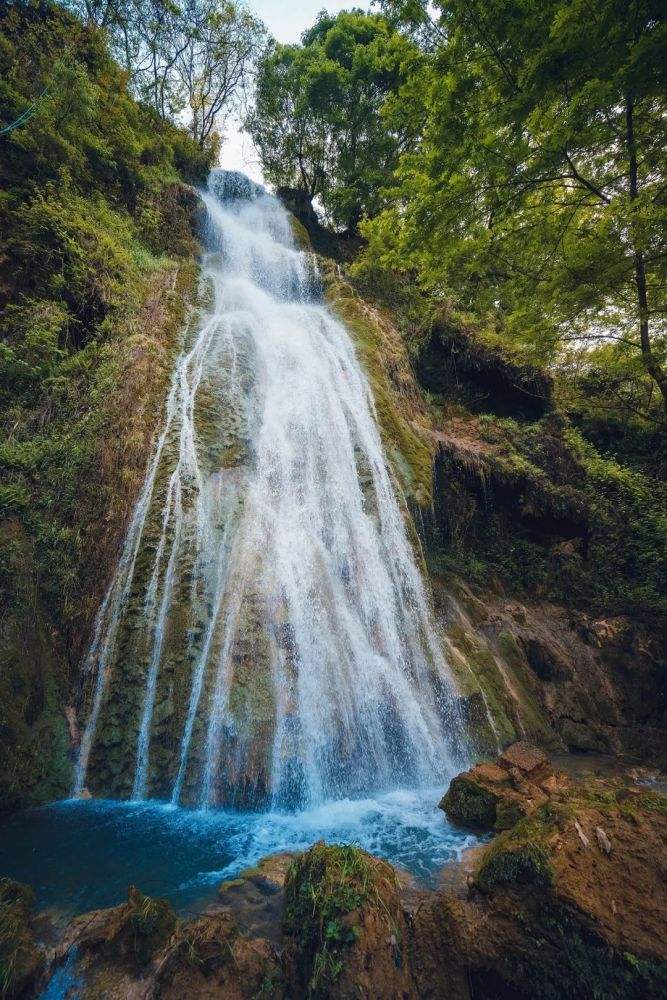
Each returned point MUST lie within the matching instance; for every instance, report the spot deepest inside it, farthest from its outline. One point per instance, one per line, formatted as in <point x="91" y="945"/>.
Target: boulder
<point x="494" y="796"/>
<point x="131" y="933"/>
<point x="345" y="931"/>
<point x="210" y="957"/>
<point x="568" y="903"/>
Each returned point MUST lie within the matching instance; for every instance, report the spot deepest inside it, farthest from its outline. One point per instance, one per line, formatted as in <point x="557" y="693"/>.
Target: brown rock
<point x="517" y="938"/>
<point x="491" y="773"/>
<point x="497" y="795"/>
<point x="527" y="760"/>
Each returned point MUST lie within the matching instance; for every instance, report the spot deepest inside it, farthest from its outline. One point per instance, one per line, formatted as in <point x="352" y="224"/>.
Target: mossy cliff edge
<point x="97" y="271"/>
<point x="546" y="556"/>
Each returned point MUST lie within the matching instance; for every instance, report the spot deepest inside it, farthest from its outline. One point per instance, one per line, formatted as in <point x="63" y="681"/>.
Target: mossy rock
<point x="21" y="961"/>
<point x="327" y="891"/>
<point x="469" y="804"/>
<point x="488" y="797"/>
<point x="152" y="922"/>
<point x="401" y="413"/>
<point x="207" y="943"/>
<point x="521" y="856"/>
<point x="515" y="864"/>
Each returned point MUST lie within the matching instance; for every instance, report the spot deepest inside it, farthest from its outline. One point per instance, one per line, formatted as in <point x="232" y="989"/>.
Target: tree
<point x="537" y="192"/>
<point x="196" y="54"/>
<point x="221" y="43"/>
<point x="318" y="121"/>
<point x="295" y="144"/>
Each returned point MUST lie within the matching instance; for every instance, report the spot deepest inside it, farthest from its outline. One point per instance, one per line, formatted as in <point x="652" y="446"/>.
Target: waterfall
<point x="266" y="637"/>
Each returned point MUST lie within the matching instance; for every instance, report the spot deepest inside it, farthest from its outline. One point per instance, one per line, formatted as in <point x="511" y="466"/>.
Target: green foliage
<point x="536" y="195"/>
<point x="93" y="215"/>
<point x="542" y="482"/>
<point x="324" y="887"/>
<point x="318" y="121"/>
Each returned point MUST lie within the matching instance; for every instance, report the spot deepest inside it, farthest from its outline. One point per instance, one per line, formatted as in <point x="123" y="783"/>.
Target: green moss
<point x="20" y="959"/>
<point x="325" y="887"/>
<point x="539" y="485"/>
<point x="631" y="806"/>
<point x="468" y="803"/>
<point x="651" y="802"/>
<point x="481" y="662"/>
<point x="34" y="745"/>
<point x="411" y="452"/>
<point x="300" y="234"/>
<point x="519" y="856"/>
<point x="516" y="864"/>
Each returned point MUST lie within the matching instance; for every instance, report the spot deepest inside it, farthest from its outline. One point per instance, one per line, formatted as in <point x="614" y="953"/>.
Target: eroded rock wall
<point x="540" y="648"/>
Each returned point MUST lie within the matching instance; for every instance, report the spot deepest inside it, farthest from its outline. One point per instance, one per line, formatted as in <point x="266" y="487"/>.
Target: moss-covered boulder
<point x="210" y="957"/>
<point x="495" y="796"/>
<point x="21" y="960"/>
<point x="130" y="934"/>
<point x="519" y="857"/>
<point x="345" y="931"/>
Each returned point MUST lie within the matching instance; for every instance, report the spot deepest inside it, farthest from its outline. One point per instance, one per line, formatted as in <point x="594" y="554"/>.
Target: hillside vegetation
<point x="96" y="266"/>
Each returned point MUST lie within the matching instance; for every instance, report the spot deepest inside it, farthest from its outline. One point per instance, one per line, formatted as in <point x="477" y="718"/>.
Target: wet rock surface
<point x="495" y="796"/>
<point x="564" y="679"/>
<point x="568" y="901"/>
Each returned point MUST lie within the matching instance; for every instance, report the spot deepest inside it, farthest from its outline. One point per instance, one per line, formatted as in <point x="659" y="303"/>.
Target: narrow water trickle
<point x="266" y="639"/>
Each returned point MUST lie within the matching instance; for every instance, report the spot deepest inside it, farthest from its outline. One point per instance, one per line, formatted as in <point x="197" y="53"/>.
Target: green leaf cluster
<point x="536" y="194"/>
<point x="320" y="120"/>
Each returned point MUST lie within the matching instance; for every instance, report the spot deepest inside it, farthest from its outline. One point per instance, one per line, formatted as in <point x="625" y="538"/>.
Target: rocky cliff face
<point x="106" y="432"/>
<point x="553" y="632"/>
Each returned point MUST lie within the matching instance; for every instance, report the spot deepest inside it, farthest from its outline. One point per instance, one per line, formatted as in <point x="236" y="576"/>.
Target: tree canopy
<point x="194" y="56"/>
<point x="319" y="121"/>
<point x="536" y="194"/>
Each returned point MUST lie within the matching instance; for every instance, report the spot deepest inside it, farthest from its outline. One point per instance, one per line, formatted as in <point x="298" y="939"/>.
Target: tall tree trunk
<point x="651" y="363"/>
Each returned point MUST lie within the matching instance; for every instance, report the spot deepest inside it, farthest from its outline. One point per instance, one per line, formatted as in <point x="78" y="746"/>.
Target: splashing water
<point x="82" y="855"/>
<point x="266" y="639"/>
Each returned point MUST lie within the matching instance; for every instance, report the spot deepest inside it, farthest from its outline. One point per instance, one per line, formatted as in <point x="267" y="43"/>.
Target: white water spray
<point x="308" y="668"/>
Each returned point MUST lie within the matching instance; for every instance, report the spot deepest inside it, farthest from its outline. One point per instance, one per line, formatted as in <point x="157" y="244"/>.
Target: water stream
<point x="264" y="669"/>
<point x="267" y="616"/>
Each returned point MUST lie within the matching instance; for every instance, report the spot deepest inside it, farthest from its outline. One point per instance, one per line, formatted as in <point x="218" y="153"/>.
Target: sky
<point x="285" y="20"/>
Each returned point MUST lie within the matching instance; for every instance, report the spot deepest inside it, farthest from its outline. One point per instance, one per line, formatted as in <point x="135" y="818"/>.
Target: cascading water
<point x="266" y="638"/>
